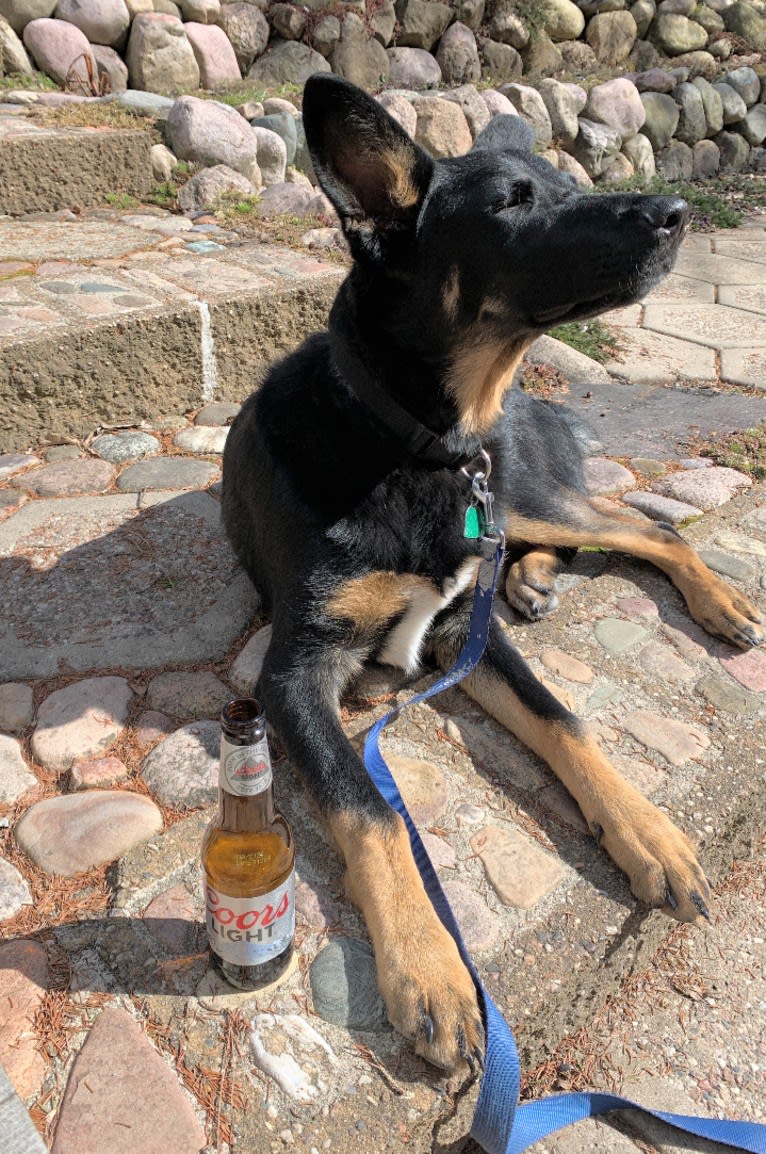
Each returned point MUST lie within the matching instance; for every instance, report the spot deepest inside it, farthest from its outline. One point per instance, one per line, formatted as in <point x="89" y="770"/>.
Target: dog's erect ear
<point x="505" y="133"/>
<point x="366" y="163"/>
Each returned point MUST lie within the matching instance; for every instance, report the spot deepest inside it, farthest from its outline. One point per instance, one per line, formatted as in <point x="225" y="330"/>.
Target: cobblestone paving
<point x="126" y="623"/>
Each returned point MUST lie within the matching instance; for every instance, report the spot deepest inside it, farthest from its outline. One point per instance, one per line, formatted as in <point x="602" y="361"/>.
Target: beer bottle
<point x="248" y="858"/>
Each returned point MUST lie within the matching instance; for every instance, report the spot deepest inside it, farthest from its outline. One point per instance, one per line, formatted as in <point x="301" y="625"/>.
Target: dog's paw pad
<point x="661" y="864"/>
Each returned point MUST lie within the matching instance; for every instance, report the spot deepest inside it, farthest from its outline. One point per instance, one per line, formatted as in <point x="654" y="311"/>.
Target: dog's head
<point x="481" y="253"/>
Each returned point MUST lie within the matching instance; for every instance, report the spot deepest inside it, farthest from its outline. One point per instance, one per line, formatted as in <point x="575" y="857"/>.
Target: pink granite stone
<point x="123" y="1096"/>
<point x="214" y="54"/>
<point x="59" y="50"/>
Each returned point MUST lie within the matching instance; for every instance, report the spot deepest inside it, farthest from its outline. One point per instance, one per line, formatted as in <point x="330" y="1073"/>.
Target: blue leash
<point x="502" y="1125"/>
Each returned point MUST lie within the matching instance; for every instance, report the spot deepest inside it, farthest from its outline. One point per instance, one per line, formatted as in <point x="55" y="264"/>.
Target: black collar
<point x="417" y="439"/>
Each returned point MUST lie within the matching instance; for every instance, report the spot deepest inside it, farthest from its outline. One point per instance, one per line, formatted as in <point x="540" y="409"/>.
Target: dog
<point x="345" y="491"/>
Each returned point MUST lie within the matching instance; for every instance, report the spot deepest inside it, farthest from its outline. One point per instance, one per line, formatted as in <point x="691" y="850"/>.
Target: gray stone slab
<point x="679" y="287"/>
<point x="169" y="354"/>
<point x="661" y="508"/>
<point x="648" y="358"/>
<point x="751" y="298"/>
<point x="166" y="473"/>
<point x="742" y="246"/>
<point x="744" y="367"/>
<point x="698" y="242"/>
<point x="17" y="1131"/>
<point x="719" y="269"/>
<point x="641" y="420"/>
<point x="714" y="326"/>
<point x="96" y="583"/>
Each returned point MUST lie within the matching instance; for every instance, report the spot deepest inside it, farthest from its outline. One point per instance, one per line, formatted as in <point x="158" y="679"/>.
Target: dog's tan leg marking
<point x="429" y="994"/>
<point x="657" y="858"/>
<point x="531" y="582"/>
<point x="372" y="599"/>
<point x="716" y="606"/>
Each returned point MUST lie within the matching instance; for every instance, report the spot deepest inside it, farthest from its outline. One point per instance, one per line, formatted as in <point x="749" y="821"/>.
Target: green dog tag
<point x="472" y="527"/>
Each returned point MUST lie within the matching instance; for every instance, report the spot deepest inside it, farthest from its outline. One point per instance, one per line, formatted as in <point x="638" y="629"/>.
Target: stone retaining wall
<point x="687" y="101"/>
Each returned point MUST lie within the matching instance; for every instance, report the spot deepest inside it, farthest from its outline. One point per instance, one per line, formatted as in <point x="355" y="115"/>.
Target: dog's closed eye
<point x="520" y="192"/>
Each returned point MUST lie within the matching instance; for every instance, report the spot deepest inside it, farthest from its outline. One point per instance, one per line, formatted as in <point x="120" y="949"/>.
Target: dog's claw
<point x="700" y="906"/>
<point x="473" y="1058"/>
<point x="598" y="832"/>
<point x="427" y="1026"/>
<point x="670" y="899"/>
<point x="466" y="1054"/>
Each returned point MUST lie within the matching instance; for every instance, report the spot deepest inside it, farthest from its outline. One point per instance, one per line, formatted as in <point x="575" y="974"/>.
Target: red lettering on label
<point x="252" y="770"/>
<point x="249" y="918"/>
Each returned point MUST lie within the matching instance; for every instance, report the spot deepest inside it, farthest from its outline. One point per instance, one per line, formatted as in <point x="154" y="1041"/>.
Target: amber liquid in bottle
<point x="248" y="859"/>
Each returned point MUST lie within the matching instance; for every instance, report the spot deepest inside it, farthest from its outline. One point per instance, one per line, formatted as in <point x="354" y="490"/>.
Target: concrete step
<point x="120" y="317"/>
<point x="44" y="168"/>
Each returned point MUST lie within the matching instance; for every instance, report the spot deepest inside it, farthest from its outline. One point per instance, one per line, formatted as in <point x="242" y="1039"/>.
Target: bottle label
<point x="251" y="931"/>
<point x="245" y="769"/>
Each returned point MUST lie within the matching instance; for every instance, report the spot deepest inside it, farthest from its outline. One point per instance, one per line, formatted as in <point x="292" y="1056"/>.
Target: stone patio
<point x="120" y="574"/>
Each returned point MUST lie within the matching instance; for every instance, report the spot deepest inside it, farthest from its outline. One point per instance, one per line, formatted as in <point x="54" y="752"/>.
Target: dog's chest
<point x="403" y="644"/>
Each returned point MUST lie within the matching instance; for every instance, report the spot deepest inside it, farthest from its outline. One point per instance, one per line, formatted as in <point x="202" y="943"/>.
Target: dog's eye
<point x="519" y="193"/>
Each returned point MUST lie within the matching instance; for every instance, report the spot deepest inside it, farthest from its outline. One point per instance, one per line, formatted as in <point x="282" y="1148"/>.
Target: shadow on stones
<point x="130" y="955"/>
<point x="94" y="583"/>
<point x="658" y="421"/>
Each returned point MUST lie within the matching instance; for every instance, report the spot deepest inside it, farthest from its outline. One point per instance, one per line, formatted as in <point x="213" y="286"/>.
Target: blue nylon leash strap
<point x="501" y="1125"/>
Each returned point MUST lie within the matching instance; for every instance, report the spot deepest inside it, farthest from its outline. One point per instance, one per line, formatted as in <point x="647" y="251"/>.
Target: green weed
<point x="163" y="194"/>
<point x="121" y="200"/>
<point x="38" y="80"/>
<point x="712" y="204"/>
<point x="593" y="338"/>
<point x="744" y="450"/>
<point x="244" y="92"/>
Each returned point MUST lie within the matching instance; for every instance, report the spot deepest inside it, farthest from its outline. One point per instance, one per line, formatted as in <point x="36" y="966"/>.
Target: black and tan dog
<point x="345" y="500"/>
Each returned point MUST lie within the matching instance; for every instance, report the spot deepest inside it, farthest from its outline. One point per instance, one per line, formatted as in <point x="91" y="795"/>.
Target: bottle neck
<point x="240" y="814"/>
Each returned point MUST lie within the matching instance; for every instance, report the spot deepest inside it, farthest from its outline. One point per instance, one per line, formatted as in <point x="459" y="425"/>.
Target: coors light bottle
<point x="248" y="859"/>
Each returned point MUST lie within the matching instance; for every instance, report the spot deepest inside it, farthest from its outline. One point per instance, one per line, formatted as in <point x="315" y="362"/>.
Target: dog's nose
<point x="667" y="214"/>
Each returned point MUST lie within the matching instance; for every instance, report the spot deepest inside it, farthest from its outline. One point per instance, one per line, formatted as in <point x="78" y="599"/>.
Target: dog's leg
<point x="429" y="995"/>
<point x="715" y="605"/>
<point x="644" y="843"/>
<point x="428" y="992"/>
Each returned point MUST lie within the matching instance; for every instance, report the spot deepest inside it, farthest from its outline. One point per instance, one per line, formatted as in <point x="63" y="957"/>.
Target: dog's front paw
<point x="658" y="858"/>
<point x="431" y="999"/>
<point x="724" y="612"/>
<point x="533" y="594"/>
<point x="429" y="994"/>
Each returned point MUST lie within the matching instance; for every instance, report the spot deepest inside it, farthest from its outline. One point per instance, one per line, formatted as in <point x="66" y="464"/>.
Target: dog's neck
<point x="420" y="421"/>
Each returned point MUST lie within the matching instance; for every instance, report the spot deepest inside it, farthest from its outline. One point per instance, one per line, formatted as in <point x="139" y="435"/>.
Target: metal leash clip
<point x="479" y="519"/>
